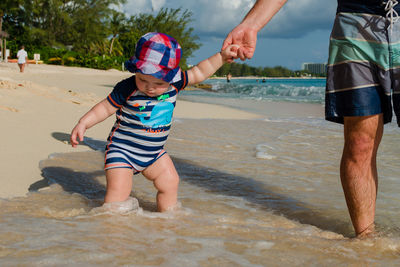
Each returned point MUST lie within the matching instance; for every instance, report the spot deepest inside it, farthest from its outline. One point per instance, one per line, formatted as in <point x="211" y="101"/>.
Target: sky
<point x="298" y="33"/>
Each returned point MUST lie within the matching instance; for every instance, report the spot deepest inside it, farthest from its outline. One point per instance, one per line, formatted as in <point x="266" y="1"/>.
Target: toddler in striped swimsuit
<point x="144" y="105"/>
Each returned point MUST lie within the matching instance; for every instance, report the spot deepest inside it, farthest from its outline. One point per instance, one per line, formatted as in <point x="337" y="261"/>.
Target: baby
<point x="144" y="105"/>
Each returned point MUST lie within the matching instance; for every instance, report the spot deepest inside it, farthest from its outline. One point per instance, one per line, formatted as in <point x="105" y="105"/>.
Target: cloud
<point x="157" y="4"/>
<point x="300" y="17"/>
<point x="133" y="7"/>
<point x="215" y="18"/>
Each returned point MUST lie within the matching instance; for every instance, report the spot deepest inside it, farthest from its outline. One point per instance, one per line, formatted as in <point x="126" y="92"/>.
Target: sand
<point x="38" y="109"/>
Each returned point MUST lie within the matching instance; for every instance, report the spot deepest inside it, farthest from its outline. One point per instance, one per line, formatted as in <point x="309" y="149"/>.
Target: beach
<point x="259" y="182"/>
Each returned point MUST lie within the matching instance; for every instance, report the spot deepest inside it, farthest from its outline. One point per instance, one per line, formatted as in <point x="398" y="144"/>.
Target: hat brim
<point x="168" y="75"/>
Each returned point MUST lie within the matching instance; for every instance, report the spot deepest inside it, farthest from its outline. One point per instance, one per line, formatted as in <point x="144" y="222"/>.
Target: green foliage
<point x="11" y="19"/>
<point x="72" y="58"/>
<point x="173" y="22"/>
<point x="88" y="33"/>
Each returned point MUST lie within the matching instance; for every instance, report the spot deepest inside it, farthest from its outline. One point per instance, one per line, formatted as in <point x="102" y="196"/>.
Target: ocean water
<point x="262" y="192"/>
<point x="293" y="90"/>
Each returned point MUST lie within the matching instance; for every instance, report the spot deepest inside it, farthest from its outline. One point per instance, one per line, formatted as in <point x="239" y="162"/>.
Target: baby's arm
<point x="98" y="113"/>
<point x="209" y="66"/>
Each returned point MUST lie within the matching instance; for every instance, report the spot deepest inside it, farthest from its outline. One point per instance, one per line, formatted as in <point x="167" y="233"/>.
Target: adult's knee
<point x="359" y="146"/>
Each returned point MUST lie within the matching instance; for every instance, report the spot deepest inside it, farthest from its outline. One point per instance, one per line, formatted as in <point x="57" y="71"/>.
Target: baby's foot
<point x="175" y="207"/>
<point x="131" y="204"/>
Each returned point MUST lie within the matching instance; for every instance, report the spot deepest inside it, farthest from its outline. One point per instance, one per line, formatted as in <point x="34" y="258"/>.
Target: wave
<point x="283" y="89"/>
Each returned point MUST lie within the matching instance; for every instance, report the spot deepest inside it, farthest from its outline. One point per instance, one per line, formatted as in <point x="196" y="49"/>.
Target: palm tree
<point x="5" y="6"/>
<point x="117" y="24"/>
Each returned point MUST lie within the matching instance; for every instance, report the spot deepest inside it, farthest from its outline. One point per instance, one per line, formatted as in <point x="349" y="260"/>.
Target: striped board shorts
<point x="116" y="157"/>
<point x="363" y="75"/>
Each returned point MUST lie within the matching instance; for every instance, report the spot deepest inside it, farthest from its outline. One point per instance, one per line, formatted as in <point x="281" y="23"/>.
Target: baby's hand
<point x="230" y="53"/>
<point x="77" y="133"/>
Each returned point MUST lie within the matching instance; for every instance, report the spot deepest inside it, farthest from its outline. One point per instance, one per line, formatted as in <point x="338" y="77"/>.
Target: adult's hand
<point x="245" y="37"/>
<point x="245" y="34"/>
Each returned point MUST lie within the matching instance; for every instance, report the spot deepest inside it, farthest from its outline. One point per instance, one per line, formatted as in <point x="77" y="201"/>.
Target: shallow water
<point x="252" y="193"/>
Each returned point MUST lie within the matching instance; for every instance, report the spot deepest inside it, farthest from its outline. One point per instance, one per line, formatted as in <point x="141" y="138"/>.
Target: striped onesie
<point x="363" y="75"/>
<point x="142" y="126"/>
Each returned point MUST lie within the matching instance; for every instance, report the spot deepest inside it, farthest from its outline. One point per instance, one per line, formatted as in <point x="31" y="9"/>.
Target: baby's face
<point x="150" y="86"/>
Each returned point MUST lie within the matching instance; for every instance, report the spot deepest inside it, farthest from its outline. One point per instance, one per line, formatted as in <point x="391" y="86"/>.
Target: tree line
<point x="242" y="70"/>
<point x="89" y="33"/>
<point x="92" y="33"/>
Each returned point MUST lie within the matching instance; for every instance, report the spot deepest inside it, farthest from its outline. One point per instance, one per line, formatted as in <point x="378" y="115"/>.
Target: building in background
<point x="315" y="68"/>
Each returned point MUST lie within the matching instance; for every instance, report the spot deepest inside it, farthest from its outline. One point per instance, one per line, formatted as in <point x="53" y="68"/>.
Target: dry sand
<point x="38" y="109"/>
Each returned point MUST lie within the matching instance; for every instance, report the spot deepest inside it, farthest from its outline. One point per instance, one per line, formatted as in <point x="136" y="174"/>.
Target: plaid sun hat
<point x="157" y="54"/>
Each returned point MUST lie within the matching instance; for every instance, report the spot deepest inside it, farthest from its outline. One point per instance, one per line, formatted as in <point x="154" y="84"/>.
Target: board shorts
<point x="363" y="73"/>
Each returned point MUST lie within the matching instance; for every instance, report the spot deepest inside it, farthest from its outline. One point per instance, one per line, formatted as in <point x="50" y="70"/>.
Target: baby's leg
<point x="119" y="184"/>
<point x="166" y="180"/>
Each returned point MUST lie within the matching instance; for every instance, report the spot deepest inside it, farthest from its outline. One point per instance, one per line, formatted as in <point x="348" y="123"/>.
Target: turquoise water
<point x="293" y="90"/>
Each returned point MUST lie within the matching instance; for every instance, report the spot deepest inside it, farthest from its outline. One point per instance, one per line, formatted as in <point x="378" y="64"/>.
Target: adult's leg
<point x="166" y="179"/>
<point x="358" y="172"/>
<point x="119" y="184"/>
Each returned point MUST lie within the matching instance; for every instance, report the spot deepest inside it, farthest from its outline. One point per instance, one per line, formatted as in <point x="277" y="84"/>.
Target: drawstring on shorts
<point x="391" y="14"/>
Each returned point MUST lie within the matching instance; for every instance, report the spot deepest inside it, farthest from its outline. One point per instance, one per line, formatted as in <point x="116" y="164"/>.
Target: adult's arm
<point x="245" y="34"/>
